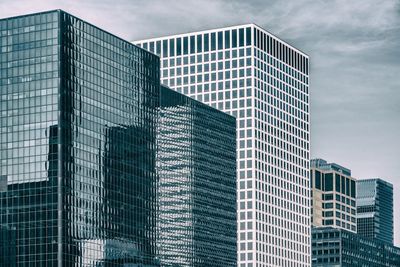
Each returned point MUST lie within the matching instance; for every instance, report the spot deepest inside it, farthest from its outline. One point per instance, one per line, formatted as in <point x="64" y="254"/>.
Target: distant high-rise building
<point x="333" y="196"/>
<point x="86" y="178"/>
<point x="264" y="82"/>
<point x="375" y="209"/>
<point x="332" y="247"/>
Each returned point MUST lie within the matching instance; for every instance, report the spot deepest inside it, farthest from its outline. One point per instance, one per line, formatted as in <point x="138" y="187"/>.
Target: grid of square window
<point x="281" y="153"/>
<point x="263" y="82"/>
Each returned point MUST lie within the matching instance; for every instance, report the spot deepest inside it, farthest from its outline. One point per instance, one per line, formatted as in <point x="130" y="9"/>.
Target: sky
<point x="354" y="53"/>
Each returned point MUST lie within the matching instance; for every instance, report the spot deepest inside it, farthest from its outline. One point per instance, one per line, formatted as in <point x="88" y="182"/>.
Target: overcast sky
<point x="355" y="62"/>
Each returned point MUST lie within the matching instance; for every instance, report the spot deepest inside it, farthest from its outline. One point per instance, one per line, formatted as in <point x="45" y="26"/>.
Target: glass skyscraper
<point x="81" y="182"/>
<point x="333" y="196"/>
<point x="375" y="209"/>
<point x="264" y="82"/>
<point x="197" y="183"/>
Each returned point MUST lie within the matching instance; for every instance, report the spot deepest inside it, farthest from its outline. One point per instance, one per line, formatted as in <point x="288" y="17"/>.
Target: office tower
<point x="333" y="247"/>
<point x="262" y="81"/>
<point x="375" y="209"/>
<point x="333" y="196"/>
<point x="197" y="183"/>
<point x="81" y="173"/>
<point x="78" y="143"/>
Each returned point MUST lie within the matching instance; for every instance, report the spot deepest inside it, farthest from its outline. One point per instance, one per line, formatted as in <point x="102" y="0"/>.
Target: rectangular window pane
<point x="343" y="190"/>
<point x="152" y="47"/>
<point x="248" y="36"/>
<point x="227" y="39"/>
<point x="234" y="38"/>
<point x="317" y="180"/>
<point x="199" y="37"/>
<point x="337" y="179"/>
<point x="220" y="40"/>
<point x="165" y="48"/>
<point x="241" y="37"/>
<point x="178" y="46"/>
<point x="328" y="182"/>
<point x="185" y="45"/>
<point x="206" y="42"/>
<point x="192" y="44"/>
<point x="158" y="46"/>
<point x="213" y="41"/>
<point x="172" y="47"/>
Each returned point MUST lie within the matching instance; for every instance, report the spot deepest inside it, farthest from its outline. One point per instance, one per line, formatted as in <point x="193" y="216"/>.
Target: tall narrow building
<point x="375" y="209"/>
<point x="333" y="196"/>
<point x="264" y="82"/>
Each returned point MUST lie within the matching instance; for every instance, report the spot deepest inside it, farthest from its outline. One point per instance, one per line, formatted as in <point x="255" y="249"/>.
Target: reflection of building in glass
<point x="68" y="168"/>
<point x="263" y="81"/>
<point x="375" y="209"/>
<point x="129" y="158"/>
<point x="333" y="196"/>
<point x="333" y="247"/>
<point x="197" y="183"/>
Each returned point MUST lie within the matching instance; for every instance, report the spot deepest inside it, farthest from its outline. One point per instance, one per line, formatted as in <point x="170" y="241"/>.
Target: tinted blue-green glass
<point x="78" y="119"/>
<point x="197" y="183"/>
<point x="109" y="94"/>
<point x="29" y="88"/>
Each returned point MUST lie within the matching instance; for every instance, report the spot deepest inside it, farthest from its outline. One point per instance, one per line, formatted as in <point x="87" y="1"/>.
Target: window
<point x="318" y="180"/>
<point x="337" y="183"/>
<point x="192" y="44"/>
<point x="220" y="40"/>
<point x="206" y="42"/>
<point x="178" y="46"/>
<point x="158" y="47"/>
<point x="248" y="36"/>
<point x="234" y="38"/>
<point x="213" y="41"/>
<point x="165" y="48"/>
<point x="199" y="41"/>
<point x="227" y="39"/>
<point x="172" y="47"/>
<point x="185" y="45"/>
<point x="241" y="37"/>
<point x="328" y="182"/>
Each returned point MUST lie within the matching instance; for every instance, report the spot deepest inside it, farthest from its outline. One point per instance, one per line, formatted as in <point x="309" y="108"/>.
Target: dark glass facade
<point x="375" y="209"/>
<point x="89" y="175"/>
<point x="337" y="247"/>
<point x="197" y="187"/>
<point x="78" y="144"/>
